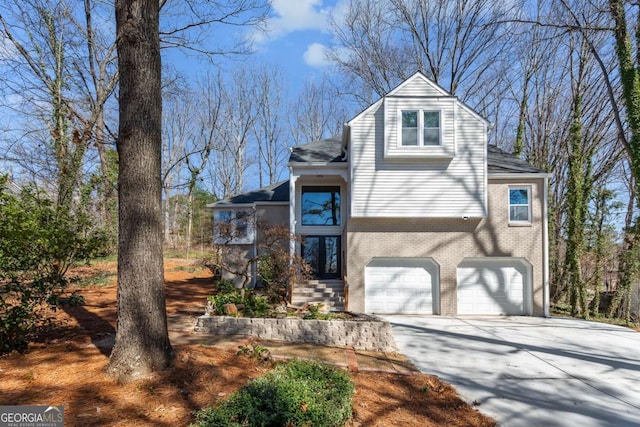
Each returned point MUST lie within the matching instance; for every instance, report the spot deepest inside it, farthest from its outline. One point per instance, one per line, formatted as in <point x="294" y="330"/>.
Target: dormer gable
<point x="420" y="120"/>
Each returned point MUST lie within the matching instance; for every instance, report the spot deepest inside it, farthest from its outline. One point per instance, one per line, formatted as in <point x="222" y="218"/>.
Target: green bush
<point x="254" y="305"/>
<point x="299" y="393"/>
<point x="38" y="243"/>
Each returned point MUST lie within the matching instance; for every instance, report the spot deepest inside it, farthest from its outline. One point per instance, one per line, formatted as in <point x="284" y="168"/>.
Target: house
<point x="411" y="212"/>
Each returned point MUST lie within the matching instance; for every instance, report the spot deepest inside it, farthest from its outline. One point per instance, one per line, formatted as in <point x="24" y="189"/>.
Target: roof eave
<point x="318" y="164"/>
<point x="521" y="175"/>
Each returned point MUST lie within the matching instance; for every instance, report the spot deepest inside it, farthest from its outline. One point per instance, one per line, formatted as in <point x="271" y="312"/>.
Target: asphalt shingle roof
<point x="500" y="161"/>
<point x="278" y="192"/>
<point x="324" y="150"/>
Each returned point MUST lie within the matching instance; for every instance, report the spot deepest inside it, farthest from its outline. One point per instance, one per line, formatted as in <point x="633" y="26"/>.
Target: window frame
<point x="421" y="128"/>
<point x="528" y="189"/>
<point x="321" y="189"/>
<point x="236" y="222"/>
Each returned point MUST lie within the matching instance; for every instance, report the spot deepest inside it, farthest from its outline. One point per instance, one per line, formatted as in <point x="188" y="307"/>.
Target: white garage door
<point x="494" y="286"/>
<point x="397" y="285"/>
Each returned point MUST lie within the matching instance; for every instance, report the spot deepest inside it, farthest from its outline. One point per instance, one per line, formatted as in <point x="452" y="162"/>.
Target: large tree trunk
<point x="142" y="341"/>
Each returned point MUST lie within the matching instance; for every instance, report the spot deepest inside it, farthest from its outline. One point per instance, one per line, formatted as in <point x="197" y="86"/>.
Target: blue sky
<point x="298" y="32"/>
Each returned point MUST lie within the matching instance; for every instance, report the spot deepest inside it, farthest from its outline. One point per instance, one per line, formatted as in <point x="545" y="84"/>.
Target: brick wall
<point x="449" y="241"/>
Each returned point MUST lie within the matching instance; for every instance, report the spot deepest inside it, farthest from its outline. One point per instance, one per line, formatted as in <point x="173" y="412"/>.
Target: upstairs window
<point x="420" y="128"/>
<point x="321" y="205"/>
<point x="520" y="205"/>
<point x="233" y="226"/>
<point x="431" y="128"/>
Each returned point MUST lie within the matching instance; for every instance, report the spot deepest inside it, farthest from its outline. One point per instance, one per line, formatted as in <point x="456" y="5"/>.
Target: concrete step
<point x="328" y="292"/>
<point x="335" y="286"/>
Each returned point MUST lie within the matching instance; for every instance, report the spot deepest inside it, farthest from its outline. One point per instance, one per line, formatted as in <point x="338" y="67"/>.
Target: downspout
<point x="545" y="242"/>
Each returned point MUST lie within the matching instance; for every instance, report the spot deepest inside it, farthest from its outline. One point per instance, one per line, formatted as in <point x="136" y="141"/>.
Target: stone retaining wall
<point x="370" y="334"/>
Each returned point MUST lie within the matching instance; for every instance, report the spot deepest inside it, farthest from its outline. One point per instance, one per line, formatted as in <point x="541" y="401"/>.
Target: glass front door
<point x="322" y="253"/>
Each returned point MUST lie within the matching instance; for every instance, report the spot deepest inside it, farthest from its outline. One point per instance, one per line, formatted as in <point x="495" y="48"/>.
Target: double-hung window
<point x="519" y="204"/>
<point x="420" y="128"/>
<point x="233" y="226"/>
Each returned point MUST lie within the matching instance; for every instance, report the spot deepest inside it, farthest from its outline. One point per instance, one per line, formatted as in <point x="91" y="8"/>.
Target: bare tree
<point x="64" y="72"/>
<point x="268" y="128"/>
<point x="317" y="112"/>
<point x="380" y="44"/>
<point x="176" y="139"/>
<point x="237" y="118"/>
<point x="188" y="24"/>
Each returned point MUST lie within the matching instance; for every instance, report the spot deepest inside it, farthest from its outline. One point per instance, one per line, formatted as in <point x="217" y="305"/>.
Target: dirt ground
<point x="65" y="366"/>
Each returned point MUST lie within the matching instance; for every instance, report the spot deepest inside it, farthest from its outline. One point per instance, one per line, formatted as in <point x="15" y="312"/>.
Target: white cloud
<point x="297" y="15"/>
<point x="316" y="55"/>
<point x="289" y="16"/>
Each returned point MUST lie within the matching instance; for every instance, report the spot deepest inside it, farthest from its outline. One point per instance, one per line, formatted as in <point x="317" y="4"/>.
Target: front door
<point x="322" y="253"/>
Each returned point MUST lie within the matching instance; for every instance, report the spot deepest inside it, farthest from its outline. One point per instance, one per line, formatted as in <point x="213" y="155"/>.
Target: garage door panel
<point x="400" y="286"/>
<point x="492" y="287"/>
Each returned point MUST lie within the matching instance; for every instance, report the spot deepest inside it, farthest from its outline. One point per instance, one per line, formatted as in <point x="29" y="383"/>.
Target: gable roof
<point x="322" y="151"/>
<point x="420" y="76"/>
<point x="500" y="161"/>
<point x="278" y="192"/>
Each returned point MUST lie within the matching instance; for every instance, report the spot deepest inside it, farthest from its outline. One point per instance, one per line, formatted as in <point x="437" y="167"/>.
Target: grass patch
<point x="101" y="279"/>
<point x="182" y="253"/>
<point x="298" y="393"/>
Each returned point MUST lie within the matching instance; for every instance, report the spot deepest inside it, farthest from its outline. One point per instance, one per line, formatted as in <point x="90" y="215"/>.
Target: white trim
<point x="419" y="129"/>
<point x="529" y="189"/>
<point x="267" y="203"/>
<point x="222" y="204"/>
<point x="292" y="212"/>
<point x="365" y="111"/>
<point x="336" y="165"/>
<point x="519" y="175"/>
<point x="485" y="171"/>
<point x="424" y="78"/>
<point x="545" y="250"/>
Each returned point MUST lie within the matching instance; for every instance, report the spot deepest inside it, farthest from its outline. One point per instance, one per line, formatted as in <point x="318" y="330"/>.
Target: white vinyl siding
<point x="453" y="187"/>
<point x="420" y="87"/>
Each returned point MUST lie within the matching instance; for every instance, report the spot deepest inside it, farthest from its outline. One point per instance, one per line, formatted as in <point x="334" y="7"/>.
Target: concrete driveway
<point x="526" y="371"/>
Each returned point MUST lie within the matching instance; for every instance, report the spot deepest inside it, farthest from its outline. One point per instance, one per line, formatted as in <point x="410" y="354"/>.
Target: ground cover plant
<point x="297" y="393"/>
